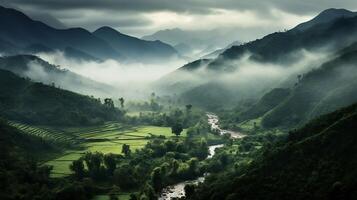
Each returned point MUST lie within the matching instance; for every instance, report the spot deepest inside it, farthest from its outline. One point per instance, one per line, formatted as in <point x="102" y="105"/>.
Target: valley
<point x="184" y="101"/>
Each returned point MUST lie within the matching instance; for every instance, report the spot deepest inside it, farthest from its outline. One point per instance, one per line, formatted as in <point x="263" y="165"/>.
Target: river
<point x="177" y="190"/>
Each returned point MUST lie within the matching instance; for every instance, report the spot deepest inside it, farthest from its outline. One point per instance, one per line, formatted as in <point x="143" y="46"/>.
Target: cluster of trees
<point x="161" y="162"/>
<point x="186" y="117"/>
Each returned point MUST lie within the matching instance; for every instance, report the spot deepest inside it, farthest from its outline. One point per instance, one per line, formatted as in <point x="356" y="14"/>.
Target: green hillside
<point x="36" y="103"/>
<point x="315" y="162"/>
<point x="323" y="90"/>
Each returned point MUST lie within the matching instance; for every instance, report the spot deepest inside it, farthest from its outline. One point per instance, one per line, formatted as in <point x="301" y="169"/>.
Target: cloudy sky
<point x="249" y="18"/>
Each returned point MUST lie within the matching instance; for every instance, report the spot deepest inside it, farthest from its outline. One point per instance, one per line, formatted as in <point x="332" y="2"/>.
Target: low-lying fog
<point x="134" y="80"/>
<point x="131" y="79"/>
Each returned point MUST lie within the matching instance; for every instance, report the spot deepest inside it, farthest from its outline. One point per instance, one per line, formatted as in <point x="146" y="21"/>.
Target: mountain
<point x="331" y="86"/>
<point x="217" y="52"/>
<point x="35" y="103"/>
<point x="325" y="17"/>
<point x="280" y="47"/>
<point x="276" y="50"/>
<point x="134" y="48"/>
<point x="199" y="42"/>
<point x="317" y="161"/>
<point x="18" y="29"/>
<point x="32" y="67"/>
<point x="19" y="34"/>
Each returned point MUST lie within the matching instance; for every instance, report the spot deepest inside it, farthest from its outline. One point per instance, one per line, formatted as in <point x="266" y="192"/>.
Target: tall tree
<point x="110" y="163"/>
<point x="121" y="100"/>
<point x="125" y="149"/>
<point x="109" y="102"/>
<point x="188" y="108"/>
<point x="77" y="167"/>
<point x="177" y="129"/>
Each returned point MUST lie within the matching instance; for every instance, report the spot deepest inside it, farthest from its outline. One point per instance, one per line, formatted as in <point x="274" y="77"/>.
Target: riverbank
<point x="178" y="190"/>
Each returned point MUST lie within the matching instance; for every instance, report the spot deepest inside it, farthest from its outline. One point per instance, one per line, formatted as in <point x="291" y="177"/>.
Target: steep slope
<point x="317" y="161"/>
<point x="35" y="103"/>
<point x="327" y="88"/>
<point x="41" y="71"/>
<point x="134" y="48"/>
<point x="20" y="30"/>
<point x="269" y="101"/>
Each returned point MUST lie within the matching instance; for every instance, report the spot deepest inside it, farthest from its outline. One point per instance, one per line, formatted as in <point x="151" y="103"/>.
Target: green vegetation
<point x="162" y="161"/>
<point x="320" y="91"/>
<point x="36" y="103"/>
<point x="107" y="138"/>
<point x="315" y="162"/>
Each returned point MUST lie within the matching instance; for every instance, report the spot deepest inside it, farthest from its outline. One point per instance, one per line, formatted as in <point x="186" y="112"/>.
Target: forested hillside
<point x="315" y="162"/>
<point x="36" y="103"/>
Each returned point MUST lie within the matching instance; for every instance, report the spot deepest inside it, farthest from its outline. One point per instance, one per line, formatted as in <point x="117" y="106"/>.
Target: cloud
<point x="140" y="17"/>
<point x="237" y="20"/>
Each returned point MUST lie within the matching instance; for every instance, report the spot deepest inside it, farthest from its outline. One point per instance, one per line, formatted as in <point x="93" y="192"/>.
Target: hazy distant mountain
<point x="219" y="51"/>
<point x="41" y="71"/>
<point x="326" y="16"/>
<point x="199" y="42"/>
<point x="134" y="48"/>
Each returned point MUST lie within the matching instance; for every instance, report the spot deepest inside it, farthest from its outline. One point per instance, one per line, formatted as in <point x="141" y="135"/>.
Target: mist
<point x="131" y="80"/>
<point x="246" y="78"/>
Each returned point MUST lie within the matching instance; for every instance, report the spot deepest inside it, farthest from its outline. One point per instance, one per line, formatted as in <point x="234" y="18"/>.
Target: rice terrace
<point x="107" y="138"/>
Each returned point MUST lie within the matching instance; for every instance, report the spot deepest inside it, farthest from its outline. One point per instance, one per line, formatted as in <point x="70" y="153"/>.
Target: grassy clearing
<point x="106" y="138"/>
<point x="250" y="125"/>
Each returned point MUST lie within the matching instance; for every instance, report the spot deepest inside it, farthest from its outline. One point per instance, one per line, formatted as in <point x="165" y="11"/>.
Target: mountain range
<point x="331" y="32"/>
<point x="105" y="43"/>
<point x="194" y="43"/>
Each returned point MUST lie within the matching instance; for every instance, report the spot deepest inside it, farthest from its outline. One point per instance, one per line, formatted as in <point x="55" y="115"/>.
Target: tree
<point x="110" y="163"/>
<point x="109" y="102"/>
<point x="77" y="167"/>
<point x="177" y="129"/>
<point x="125" y="149"/>
<point x="188" y="107"/>
<point x="94" y="163"/>
<point x="156" y="179"/>
<point x="124" y="176"/>
<point x="121" y="100"/>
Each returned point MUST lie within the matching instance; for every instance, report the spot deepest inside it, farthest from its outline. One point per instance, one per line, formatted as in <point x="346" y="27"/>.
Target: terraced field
<point x="107" y="138"/>
<point x="51" y="135"/>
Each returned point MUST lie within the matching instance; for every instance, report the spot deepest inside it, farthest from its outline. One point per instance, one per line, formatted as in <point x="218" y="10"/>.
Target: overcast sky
<point x="141" y="17"/>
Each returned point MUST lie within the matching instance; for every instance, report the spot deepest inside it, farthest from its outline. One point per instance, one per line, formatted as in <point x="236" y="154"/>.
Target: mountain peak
<point x="106" y="28"/>
<point x="326" y="16"/>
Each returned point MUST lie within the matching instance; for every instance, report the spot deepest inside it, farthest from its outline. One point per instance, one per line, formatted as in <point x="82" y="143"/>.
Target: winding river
<point x="177" y="190"/>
